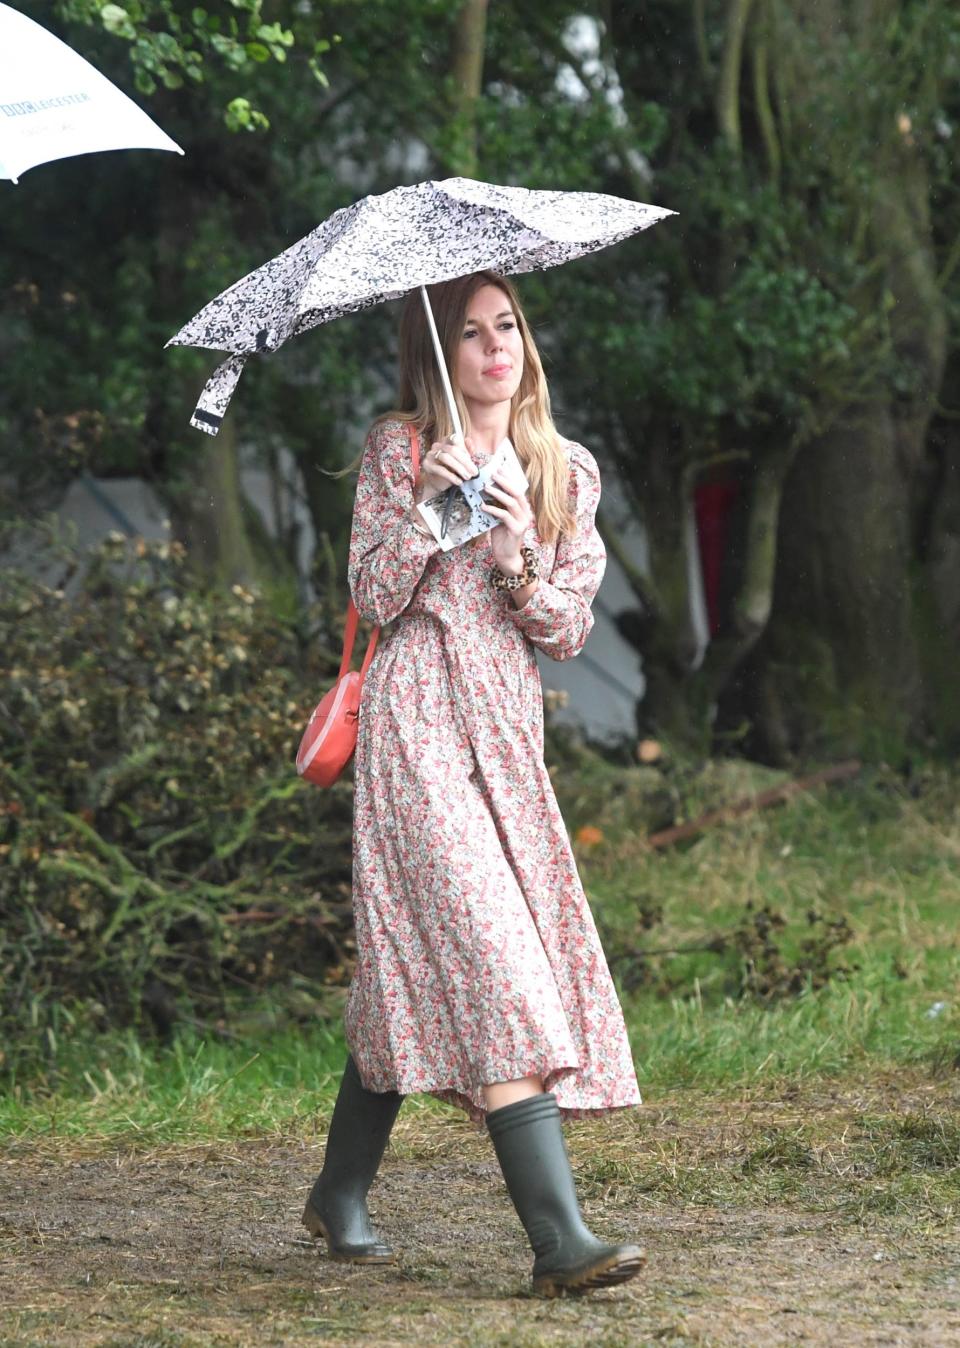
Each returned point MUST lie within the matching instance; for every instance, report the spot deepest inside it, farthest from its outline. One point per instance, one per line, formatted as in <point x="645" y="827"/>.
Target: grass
<point x="198" y="1089"/>
<point x="880" y="855"/>
<point x="868" y="858"/>
<point x="795" y="1172"/>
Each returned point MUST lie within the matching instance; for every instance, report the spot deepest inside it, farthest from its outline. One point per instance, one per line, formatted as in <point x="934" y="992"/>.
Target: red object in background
<point x="712" y="503"/>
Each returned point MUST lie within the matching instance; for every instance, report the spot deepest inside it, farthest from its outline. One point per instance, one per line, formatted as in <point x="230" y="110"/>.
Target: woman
<point x="480" y="977"/>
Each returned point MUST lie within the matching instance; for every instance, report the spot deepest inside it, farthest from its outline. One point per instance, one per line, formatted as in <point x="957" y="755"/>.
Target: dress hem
<point x="568" y="1113"/>
<point x="553" y="1078"/>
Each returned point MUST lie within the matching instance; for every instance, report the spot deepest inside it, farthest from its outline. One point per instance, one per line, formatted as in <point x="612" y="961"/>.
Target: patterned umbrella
<point x="384" y="246"/>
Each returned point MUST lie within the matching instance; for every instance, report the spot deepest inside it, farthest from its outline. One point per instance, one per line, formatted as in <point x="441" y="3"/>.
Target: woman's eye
<point x="470" y="332"/>
<point x="507" y="326"/>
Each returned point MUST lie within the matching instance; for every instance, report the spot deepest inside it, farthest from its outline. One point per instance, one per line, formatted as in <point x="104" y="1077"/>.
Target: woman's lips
<point x="496" y="371"/>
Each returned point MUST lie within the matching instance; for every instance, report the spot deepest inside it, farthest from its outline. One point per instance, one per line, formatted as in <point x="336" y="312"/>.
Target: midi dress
<point x="477" y="956"/>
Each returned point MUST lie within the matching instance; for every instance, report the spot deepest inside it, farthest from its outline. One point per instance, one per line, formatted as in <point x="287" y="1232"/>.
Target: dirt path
<point x="817" y="1220"/>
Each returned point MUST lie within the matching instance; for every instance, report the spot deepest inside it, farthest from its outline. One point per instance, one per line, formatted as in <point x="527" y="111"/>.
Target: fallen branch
<point x="325" y="927"/>
<point x="716" y="946"/>
<point x="288" y="919"/>
<point x="775" y="796"/>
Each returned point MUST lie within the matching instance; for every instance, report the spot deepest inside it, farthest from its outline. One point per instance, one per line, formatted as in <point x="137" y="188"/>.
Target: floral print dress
<point x="478" y="958"/>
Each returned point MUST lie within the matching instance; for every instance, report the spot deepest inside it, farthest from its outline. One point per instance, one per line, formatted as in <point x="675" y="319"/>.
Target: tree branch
<point x="700" y="34"/>
<point x="728" y="86"/>
<point x="754" y="600"/>
<point x="761" y="99"/>
<point x="641" y="585"/>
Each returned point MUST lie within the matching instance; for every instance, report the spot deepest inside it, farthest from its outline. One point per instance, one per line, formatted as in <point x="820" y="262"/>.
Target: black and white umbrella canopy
<point x="382" y="247"/>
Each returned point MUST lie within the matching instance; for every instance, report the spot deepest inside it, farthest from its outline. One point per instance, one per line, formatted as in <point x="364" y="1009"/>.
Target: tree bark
<point x="661" y="629"/>
<point x="840" y="647"/>
<point x="212" y="519"/>
<point x="840" y="667"/>
<point x="728" y="85"/>
<point x="763" y="106"/>
<point x="466" y="69"/>
<point x="752" y="600"/>
<point x="939" y="577"/>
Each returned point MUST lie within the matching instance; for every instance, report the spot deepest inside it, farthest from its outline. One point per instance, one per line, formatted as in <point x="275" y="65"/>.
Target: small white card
<point x="466" y="517"/>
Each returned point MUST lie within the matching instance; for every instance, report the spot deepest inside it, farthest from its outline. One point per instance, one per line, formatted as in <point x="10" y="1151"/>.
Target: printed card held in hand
<point x="457" y="517"/>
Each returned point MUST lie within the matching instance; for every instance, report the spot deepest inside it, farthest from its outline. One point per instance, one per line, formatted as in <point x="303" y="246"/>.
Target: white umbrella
<point x="384" y="246"/>
<point x="53" y="104"/>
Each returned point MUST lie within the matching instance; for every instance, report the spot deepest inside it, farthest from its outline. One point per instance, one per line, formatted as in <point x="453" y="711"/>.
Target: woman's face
<point x="489" y="360"/>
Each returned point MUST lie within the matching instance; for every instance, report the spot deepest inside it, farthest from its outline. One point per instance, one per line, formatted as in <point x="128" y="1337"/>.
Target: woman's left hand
<point x="515" y="516"/>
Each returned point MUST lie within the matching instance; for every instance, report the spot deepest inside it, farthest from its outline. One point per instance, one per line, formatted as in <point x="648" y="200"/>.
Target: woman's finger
<point x="461" y="471"/>
<point x="499" y="491"/>
<point x="516" y="493"/>
<point x="438" y="479"/>
<point x="507" y="520"/>
<point x="505" y="494"/>
<point x="456" y="456"/>
<point x="515" y="503"/>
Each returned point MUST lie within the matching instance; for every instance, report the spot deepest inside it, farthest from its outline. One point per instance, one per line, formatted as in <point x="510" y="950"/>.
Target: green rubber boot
<point x="337" y="1206"/>
<point x="528" y="1139"/>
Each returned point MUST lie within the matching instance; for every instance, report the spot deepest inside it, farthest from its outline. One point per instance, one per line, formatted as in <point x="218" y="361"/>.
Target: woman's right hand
<point x="447" y="463"/>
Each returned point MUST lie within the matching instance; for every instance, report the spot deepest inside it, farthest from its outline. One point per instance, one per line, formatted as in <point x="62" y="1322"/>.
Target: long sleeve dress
<point x="478" y="959"/>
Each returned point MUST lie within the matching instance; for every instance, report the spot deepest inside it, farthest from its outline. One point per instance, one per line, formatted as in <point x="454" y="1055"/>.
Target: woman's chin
<point x="492" y="397"/>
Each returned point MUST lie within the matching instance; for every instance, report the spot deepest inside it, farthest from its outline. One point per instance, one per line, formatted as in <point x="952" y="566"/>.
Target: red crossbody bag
<point x="331" y="734"/>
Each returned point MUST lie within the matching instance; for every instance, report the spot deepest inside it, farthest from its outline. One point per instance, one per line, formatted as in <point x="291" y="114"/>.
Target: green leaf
<point x="257" y="51"/>
<point x="318" y="74"/>
<point x="273" y="33"/>
<point x="116" y="20"/>
<point x="240" y="115"/>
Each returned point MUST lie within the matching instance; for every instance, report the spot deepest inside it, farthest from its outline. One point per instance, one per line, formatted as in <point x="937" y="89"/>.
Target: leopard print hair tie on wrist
<point x="530" y="573"/>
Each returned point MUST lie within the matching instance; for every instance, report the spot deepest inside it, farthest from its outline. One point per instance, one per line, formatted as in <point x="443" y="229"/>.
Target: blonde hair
<point x="422" y="402"/>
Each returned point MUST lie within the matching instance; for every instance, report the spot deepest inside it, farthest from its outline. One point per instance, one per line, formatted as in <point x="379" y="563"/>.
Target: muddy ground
<point x="814" y="1219"/>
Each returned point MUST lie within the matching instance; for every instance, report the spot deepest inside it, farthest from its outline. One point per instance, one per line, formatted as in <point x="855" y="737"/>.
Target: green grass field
<point x="868" y="854"/>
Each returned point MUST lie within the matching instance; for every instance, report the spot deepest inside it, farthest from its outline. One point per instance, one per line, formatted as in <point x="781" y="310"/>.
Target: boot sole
<point x="608" y="1272"/>
<point x="312" y="1220"/>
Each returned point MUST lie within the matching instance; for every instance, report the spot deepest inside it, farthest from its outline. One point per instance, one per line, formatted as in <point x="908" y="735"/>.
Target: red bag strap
<point x="350" y="629"/>
<point x="349" y="636"/>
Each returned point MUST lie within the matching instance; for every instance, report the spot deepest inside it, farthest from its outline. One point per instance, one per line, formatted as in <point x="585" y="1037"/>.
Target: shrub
<point x="156" y="846"/>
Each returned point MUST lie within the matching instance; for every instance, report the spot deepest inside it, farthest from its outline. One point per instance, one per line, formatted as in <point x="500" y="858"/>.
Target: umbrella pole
<point x="445" y="377"/>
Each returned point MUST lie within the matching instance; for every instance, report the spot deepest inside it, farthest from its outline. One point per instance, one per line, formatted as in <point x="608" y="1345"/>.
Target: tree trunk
<point x="661" y="629"/>
<point x="728" y="85"/>
<point x="840" y="668"/>
<point x="938" y="578"/>
<point x="840" y="649"/>
<point x="682" y="695"/>
<point x="752" y="562"/>
<point x="209" y="513"/>
<point x="466" y="70"/>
